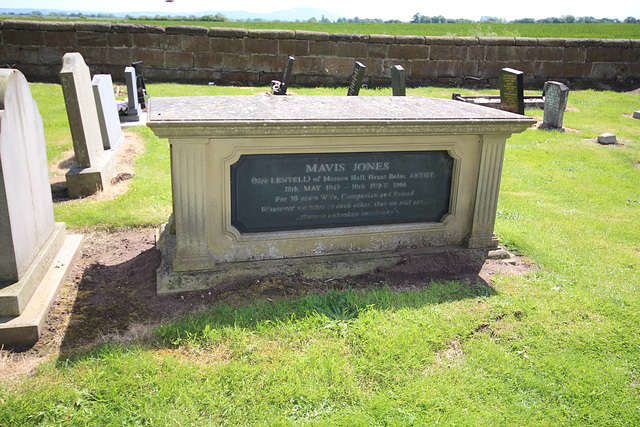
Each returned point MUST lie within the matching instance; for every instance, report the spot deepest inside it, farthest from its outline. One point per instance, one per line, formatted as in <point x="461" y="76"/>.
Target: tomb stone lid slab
<point x="379" y="113"/>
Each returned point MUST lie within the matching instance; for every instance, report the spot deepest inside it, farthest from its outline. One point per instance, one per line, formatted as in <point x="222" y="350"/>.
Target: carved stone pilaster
<point x="488" y="188"/>
<point x="189" y="203"/>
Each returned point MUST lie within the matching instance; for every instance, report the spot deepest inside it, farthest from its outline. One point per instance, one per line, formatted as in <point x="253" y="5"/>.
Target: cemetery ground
<point x="556" y="343"/>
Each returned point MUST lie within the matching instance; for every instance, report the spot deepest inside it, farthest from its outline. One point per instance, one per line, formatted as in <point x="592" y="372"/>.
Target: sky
<point x="385" y="9"/>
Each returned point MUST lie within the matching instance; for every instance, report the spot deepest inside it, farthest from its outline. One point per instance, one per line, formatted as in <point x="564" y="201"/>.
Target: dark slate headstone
<point x="356" y="79"/>
<point x="512" y="90"/>
<point x="555" y="102"/>
<point x="398" y="83"/>
<point x="280" y="87"/>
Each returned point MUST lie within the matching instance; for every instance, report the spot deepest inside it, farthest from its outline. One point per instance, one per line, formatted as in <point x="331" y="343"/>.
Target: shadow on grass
<point x="112" y="297"/>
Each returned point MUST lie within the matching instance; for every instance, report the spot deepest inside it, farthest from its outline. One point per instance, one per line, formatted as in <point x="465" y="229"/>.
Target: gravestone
<point x="141" y="87"/>
<point x="555" y="102"/>
<point x="324" y="186"/>
<point x="512" y="90"/>
<point x="607" y="138"/>
<point x="636" y="114"/>
<point x="112" y="136"/>
<point x="94" y="166"/>
<point x="398" y="83"/>
<point x="356" y="79"/>
<point x="280" y="87"/>
<point x="36" y="252"/>
<point x="134" y="112"/>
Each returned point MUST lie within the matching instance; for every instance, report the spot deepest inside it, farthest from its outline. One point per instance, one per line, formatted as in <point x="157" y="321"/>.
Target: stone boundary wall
<point x="190" y="54"/>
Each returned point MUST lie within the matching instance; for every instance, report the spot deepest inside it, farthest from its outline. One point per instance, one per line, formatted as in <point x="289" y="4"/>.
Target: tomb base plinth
<point x="85" y="181"/>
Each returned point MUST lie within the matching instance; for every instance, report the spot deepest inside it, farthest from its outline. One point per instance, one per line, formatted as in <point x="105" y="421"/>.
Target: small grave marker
<point x="94" y="166"/>
<point x="356" y="79"/>
<point x="636" y="114"/>
<point x="398" y="83"/>
<point x="555" y="102"/>
<point x="112" y="136"/>
<point x="607" y="138"/>
<point x="142" y="88"/>
<point x="134" y="111"/>
<point x="280" y="87"/>
<point x="512" y="90"/>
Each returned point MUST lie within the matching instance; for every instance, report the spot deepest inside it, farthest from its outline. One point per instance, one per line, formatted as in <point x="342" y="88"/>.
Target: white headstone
<point x="26" y="208"/>
<point x="134" y="111"/>
<point x="94" y="166"/>
<point x="112" y="136"/>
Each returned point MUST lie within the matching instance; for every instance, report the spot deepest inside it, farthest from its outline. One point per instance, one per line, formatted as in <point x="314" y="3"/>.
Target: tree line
<point x="564" y="19"/>
<point x="417" y="19"/>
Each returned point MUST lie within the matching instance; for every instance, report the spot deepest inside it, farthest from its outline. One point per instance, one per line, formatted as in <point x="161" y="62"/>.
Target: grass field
<point x="559" y="346"/>
<point x="581" y="30"/>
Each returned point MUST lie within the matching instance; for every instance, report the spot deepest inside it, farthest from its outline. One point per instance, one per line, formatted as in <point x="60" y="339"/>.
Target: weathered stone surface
<point x="340" y="37"/>
<point x="227" y="45"/>
<point x="134" y="111"/>
<point x="36" y="253"/>
<point x="352" y="50"/>
<point x="186" y="29"/>
<point x="408" y="51"/>
<point x="294" y="47"/>
<point x="22" y="37"/>
<point x="227" y="32"/>
<point x="331" y="134"/>
<point x="402" y="39"/>
<point x="103" y="27"/>
<point x="271" y="34"/>
<point x="381" y="38"/>
<point x="439" y="40"/>
<point x="179" y="59"/>
<point x="607" y="138"/>
<point x="195" y="43"/>
<point x="556" y="95"/>
<point x="311" y="35"/>
<point x="265" y="46"/>
<point x="112" y="136"/>
<point x="94" y="167"/>
<point x="136" y="28"/>
<point x="26" y="208"/>
<point x="91" y="38"/>
<point x="448" y="53"/>
<point x="18" y="24"/>
<point x="60" y="38"/>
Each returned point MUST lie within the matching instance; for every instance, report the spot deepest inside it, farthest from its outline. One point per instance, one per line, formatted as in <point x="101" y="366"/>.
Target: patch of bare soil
<point x="132" y="146"/>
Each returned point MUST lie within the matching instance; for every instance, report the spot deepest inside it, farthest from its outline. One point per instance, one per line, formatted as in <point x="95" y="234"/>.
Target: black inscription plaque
<point x="272" y="192"/>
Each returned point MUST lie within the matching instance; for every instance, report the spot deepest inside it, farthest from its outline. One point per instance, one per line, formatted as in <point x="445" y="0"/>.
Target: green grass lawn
<point x="557" y="346"/>
<point x="576" y="30"/>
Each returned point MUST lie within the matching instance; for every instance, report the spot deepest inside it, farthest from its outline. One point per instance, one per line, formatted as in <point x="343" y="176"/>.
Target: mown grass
<point x="577" y="30"/>
<point x="557" y="346"/>
<point x="596" y="30"/>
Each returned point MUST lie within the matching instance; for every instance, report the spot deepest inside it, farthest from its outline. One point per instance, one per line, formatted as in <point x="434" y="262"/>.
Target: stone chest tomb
<point x="324" y="186"/>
